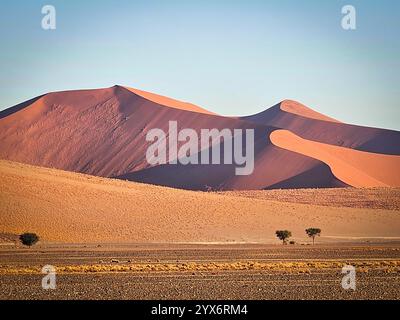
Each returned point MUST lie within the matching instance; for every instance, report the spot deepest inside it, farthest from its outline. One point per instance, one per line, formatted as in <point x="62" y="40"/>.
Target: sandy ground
<point x="366" y="198"/>
<point x="294" y="272"/>
<point x="75" y="208"/>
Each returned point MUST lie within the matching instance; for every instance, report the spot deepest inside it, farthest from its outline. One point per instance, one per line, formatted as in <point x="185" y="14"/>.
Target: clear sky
<point x="231" y="57"/>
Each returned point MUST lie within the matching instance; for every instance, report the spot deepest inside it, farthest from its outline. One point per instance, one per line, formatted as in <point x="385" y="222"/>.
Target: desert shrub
<point x="29" y="239"/>
<point x="283" y="235"/>
<point x="292" y="242"/>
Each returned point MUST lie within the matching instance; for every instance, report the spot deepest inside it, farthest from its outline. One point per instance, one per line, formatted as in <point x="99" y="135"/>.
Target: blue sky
<point x="232" y="57"/>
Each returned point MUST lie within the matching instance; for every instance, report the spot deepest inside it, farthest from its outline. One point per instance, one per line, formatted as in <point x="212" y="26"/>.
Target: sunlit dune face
<point x="356" y="168"/>
<point x="70" y="207"/>
<point x="301" y="110"/>
<point x="169" y="102"/>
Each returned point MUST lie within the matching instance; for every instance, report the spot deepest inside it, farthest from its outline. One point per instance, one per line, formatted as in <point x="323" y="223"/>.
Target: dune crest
<point x="169" y="102"/>
<point x="356" y="168"/>
<point x="301" y="110"/>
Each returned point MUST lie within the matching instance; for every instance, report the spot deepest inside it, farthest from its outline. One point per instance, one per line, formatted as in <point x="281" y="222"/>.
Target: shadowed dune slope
<point x="356" y="168"/>
<point x="70" y="207"/>
<point x="274" y="168"/>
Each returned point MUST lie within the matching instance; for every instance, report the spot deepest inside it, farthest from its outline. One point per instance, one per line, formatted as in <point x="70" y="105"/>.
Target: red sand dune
<point x="102" y="132"/>
<point x="313" y="126"/>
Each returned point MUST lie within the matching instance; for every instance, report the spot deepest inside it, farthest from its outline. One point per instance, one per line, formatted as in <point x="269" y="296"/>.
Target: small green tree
<point x="29" y="239"/>
<point x="283" y="235"/>
<point x="313" y="232"/>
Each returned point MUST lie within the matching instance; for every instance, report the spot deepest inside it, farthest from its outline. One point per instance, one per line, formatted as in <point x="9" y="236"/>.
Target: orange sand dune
<point x="103" y="132"/>
<point x="70" y="207"/>
<point x="301" y="110"/>
<point x="169" y="102"/>
<point x="356" y="168"/>
<point x="311" y="125"/>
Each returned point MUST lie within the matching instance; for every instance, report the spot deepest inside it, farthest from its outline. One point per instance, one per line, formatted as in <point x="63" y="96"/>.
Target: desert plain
<point x="201" y="272"/>
<point x="113" y="239"/>
<point x="74" y="170"/>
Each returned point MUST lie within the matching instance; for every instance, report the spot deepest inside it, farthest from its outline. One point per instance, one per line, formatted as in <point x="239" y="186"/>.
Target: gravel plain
<point x="377" y="277"/>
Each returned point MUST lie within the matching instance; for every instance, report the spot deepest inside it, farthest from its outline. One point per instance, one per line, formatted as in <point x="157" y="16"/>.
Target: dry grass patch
<point x="297" y="267"/>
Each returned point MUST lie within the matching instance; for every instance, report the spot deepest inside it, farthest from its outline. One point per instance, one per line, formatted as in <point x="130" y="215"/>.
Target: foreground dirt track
<point x="295" y="272"/>
<point x="75" y="208"/>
